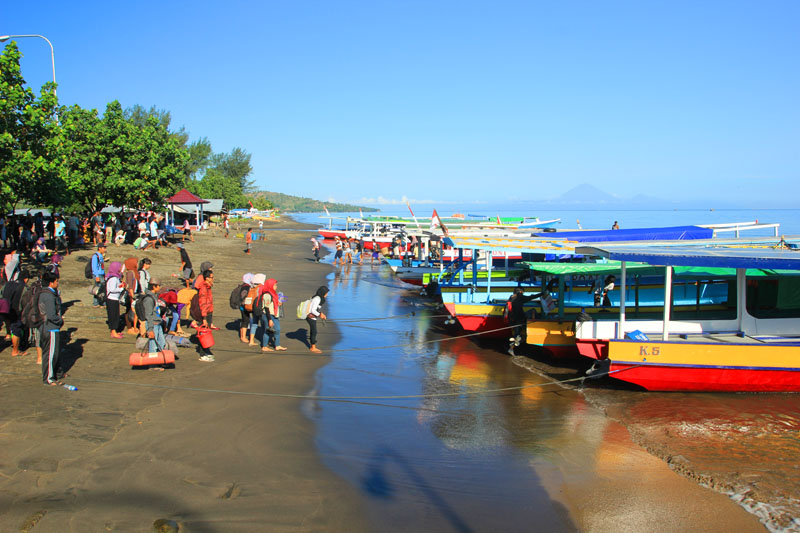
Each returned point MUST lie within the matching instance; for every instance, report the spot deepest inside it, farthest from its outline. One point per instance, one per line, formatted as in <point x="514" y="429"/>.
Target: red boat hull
<point x="665" y="378"/>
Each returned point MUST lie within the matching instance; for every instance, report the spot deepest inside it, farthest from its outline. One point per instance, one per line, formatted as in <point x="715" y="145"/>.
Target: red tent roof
<point x="185" y="197"/>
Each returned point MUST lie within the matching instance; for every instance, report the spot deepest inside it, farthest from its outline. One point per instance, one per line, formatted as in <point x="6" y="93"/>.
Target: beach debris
<point x="165" y="525"/>
<point x="232" y="492"/>
<point x="32" y="520"/>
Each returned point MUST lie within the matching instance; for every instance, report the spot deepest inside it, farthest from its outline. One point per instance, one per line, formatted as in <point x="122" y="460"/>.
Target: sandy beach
<point x="131" y="447"/>
<point x="225" y="446"/>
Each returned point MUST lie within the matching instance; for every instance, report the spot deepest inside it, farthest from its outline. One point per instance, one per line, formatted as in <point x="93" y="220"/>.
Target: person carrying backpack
<point x="115" y="287"/>
<point x="315" y="312"/>
<point x="149" y="313"/>
<point x="98" y="274"/>
<point x="270" y="304"/>
<point x="50" y="330"/>
<point x="239" y="298"/>
<point x="12" y="293"/>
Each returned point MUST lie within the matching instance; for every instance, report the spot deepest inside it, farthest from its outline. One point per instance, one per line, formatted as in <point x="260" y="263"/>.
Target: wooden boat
<point x="753" y="346"/>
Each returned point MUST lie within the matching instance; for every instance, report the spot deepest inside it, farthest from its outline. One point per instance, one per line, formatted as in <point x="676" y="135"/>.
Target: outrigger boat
<point x="482" y="311"/>
<point x="751" y="345"/>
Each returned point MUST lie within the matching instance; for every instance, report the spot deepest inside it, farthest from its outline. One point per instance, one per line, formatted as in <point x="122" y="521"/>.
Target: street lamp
<point x="4" y="38"/>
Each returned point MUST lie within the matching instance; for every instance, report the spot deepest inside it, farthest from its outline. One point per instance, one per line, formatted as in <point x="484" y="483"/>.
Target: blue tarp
<point x="674" y="233"/>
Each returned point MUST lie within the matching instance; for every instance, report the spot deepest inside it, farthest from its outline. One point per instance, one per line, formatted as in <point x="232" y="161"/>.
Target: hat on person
<point x="179" y="245"/>
<point x="154" y="281"/>
<point x="259" y="279"/>
<point x="101" y="245"/>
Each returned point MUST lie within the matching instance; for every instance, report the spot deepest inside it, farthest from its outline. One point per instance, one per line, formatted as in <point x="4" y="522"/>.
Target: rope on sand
<point x="334" y="398"/>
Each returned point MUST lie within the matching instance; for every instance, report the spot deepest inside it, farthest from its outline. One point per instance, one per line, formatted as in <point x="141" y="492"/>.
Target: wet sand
<point x="134" y="446"/>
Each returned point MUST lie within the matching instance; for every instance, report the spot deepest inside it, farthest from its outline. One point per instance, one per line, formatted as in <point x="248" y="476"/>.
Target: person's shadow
<point x="67" y="305"/>
<point x="72" y="351"/>
<point x="300" y="334"/>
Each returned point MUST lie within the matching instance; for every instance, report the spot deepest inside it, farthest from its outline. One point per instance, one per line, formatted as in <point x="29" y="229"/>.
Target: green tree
<point x="116" y="161"/>
<point x="226" y="177"/>
<point x="31" y="157"/>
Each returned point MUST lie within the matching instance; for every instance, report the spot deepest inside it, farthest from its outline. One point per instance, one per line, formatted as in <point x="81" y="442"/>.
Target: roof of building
<point x="185" y="197"/>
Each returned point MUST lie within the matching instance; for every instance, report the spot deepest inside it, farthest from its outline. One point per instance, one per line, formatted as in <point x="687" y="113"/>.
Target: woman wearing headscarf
<point x="114" y="288"/>
<point x="270" y="312"/>
<point x="132" y="287"/>
<point x="316" y="312"/>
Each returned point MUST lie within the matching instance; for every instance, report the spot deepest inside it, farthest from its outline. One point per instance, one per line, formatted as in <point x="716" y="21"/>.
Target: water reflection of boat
<point x="755" y="349"/>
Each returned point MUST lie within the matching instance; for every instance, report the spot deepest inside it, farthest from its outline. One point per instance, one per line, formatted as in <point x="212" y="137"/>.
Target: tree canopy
<point x="70" y="157"/>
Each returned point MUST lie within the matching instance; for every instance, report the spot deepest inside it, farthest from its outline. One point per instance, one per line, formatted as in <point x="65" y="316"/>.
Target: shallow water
<point x="440" y="457"/>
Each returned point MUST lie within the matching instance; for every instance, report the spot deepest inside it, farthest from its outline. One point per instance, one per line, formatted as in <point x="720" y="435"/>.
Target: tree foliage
<point x="30" y="138"/>
<point x="74" y="157"/>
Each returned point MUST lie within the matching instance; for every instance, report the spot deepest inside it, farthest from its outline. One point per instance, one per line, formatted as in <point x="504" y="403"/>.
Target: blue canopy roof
<point x="674" y="233"/>
<point x="725" y="257"/>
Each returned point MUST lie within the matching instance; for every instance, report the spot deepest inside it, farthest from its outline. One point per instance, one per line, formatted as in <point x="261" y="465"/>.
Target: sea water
<point x="428" y="450"/>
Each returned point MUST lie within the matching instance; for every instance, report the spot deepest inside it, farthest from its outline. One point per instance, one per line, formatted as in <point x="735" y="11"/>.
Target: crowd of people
<point x="135" y="302"/>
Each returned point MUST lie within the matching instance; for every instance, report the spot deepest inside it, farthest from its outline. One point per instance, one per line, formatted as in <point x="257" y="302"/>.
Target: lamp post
<point x="4" y="38"/>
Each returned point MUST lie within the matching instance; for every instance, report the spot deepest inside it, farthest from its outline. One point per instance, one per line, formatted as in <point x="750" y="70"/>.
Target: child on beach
<point x="248" y="239"/>
<point x="315" y="249"/>
<point x="338" y="254"/>
<point x="187" y="231"/>
<point x="375" y="252"/>
<point x="186" y="265"/>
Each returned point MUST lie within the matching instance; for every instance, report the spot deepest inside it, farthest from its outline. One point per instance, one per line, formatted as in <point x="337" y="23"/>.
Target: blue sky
<point x="452" y="101"/>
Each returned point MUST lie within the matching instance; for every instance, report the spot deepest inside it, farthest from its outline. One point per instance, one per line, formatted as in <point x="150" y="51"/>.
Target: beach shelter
<point x="184" y="197"/>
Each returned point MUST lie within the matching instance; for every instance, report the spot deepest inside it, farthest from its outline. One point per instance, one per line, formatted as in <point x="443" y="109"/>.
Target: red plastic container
<point x="205" y="337"/>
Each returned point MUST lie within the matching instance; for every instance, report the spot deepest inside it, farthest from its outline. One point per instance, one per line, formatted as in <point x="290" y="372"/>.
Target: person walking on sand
<point x="248" y="240"/>
<point x="50" y="330"/>
<point x="226" y="225"/>
<point x="315" y="249"/>
<point x="338" y="255"/>
<point x="315" y="312"/>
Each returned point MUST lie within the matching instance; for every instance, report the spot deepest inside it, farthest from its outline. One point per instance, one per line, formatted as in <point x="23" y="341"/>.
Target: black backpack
<point x="88" y="270"/>
<point x="138" y="306"/>
<point x="258" y="306"/>
<point x="31" y="315"/>
<point x="238" y="295"/>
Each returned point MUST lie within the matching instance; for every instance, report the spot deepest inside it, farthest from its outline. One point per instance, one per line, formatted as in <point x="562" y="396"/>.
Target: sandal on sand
<point x="315" y="350"/>
<point x="267" y="349"/>
<point x="19" y="354"/>
<point x="280" y="348"/>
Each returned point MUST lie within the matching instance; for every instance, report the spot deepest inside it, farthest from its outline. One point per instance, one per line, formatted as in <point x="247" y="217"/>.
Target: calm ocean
<point x="789" y="219"/>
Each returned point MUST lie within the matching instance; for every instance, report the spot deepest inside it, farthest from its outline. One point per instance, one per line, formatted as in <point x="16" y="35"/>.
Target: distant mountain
<point x="299" y="204"/>
<point x="585" y="194"/>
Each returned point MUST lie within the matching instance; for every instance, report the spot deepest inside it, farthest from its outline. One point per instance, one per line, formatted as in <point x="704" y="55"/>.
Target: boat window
<point x="774" y="297"/>
<point x="704" y="300"/>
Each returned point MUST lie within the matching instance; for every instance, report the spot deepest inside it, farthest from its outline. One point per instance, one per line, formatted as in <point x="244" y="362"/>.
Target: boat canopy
<point x="633" y="268"/>
<point x="591" y="269"/>
<point x="713" y="257"/>
<point x="673" y="233"/>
